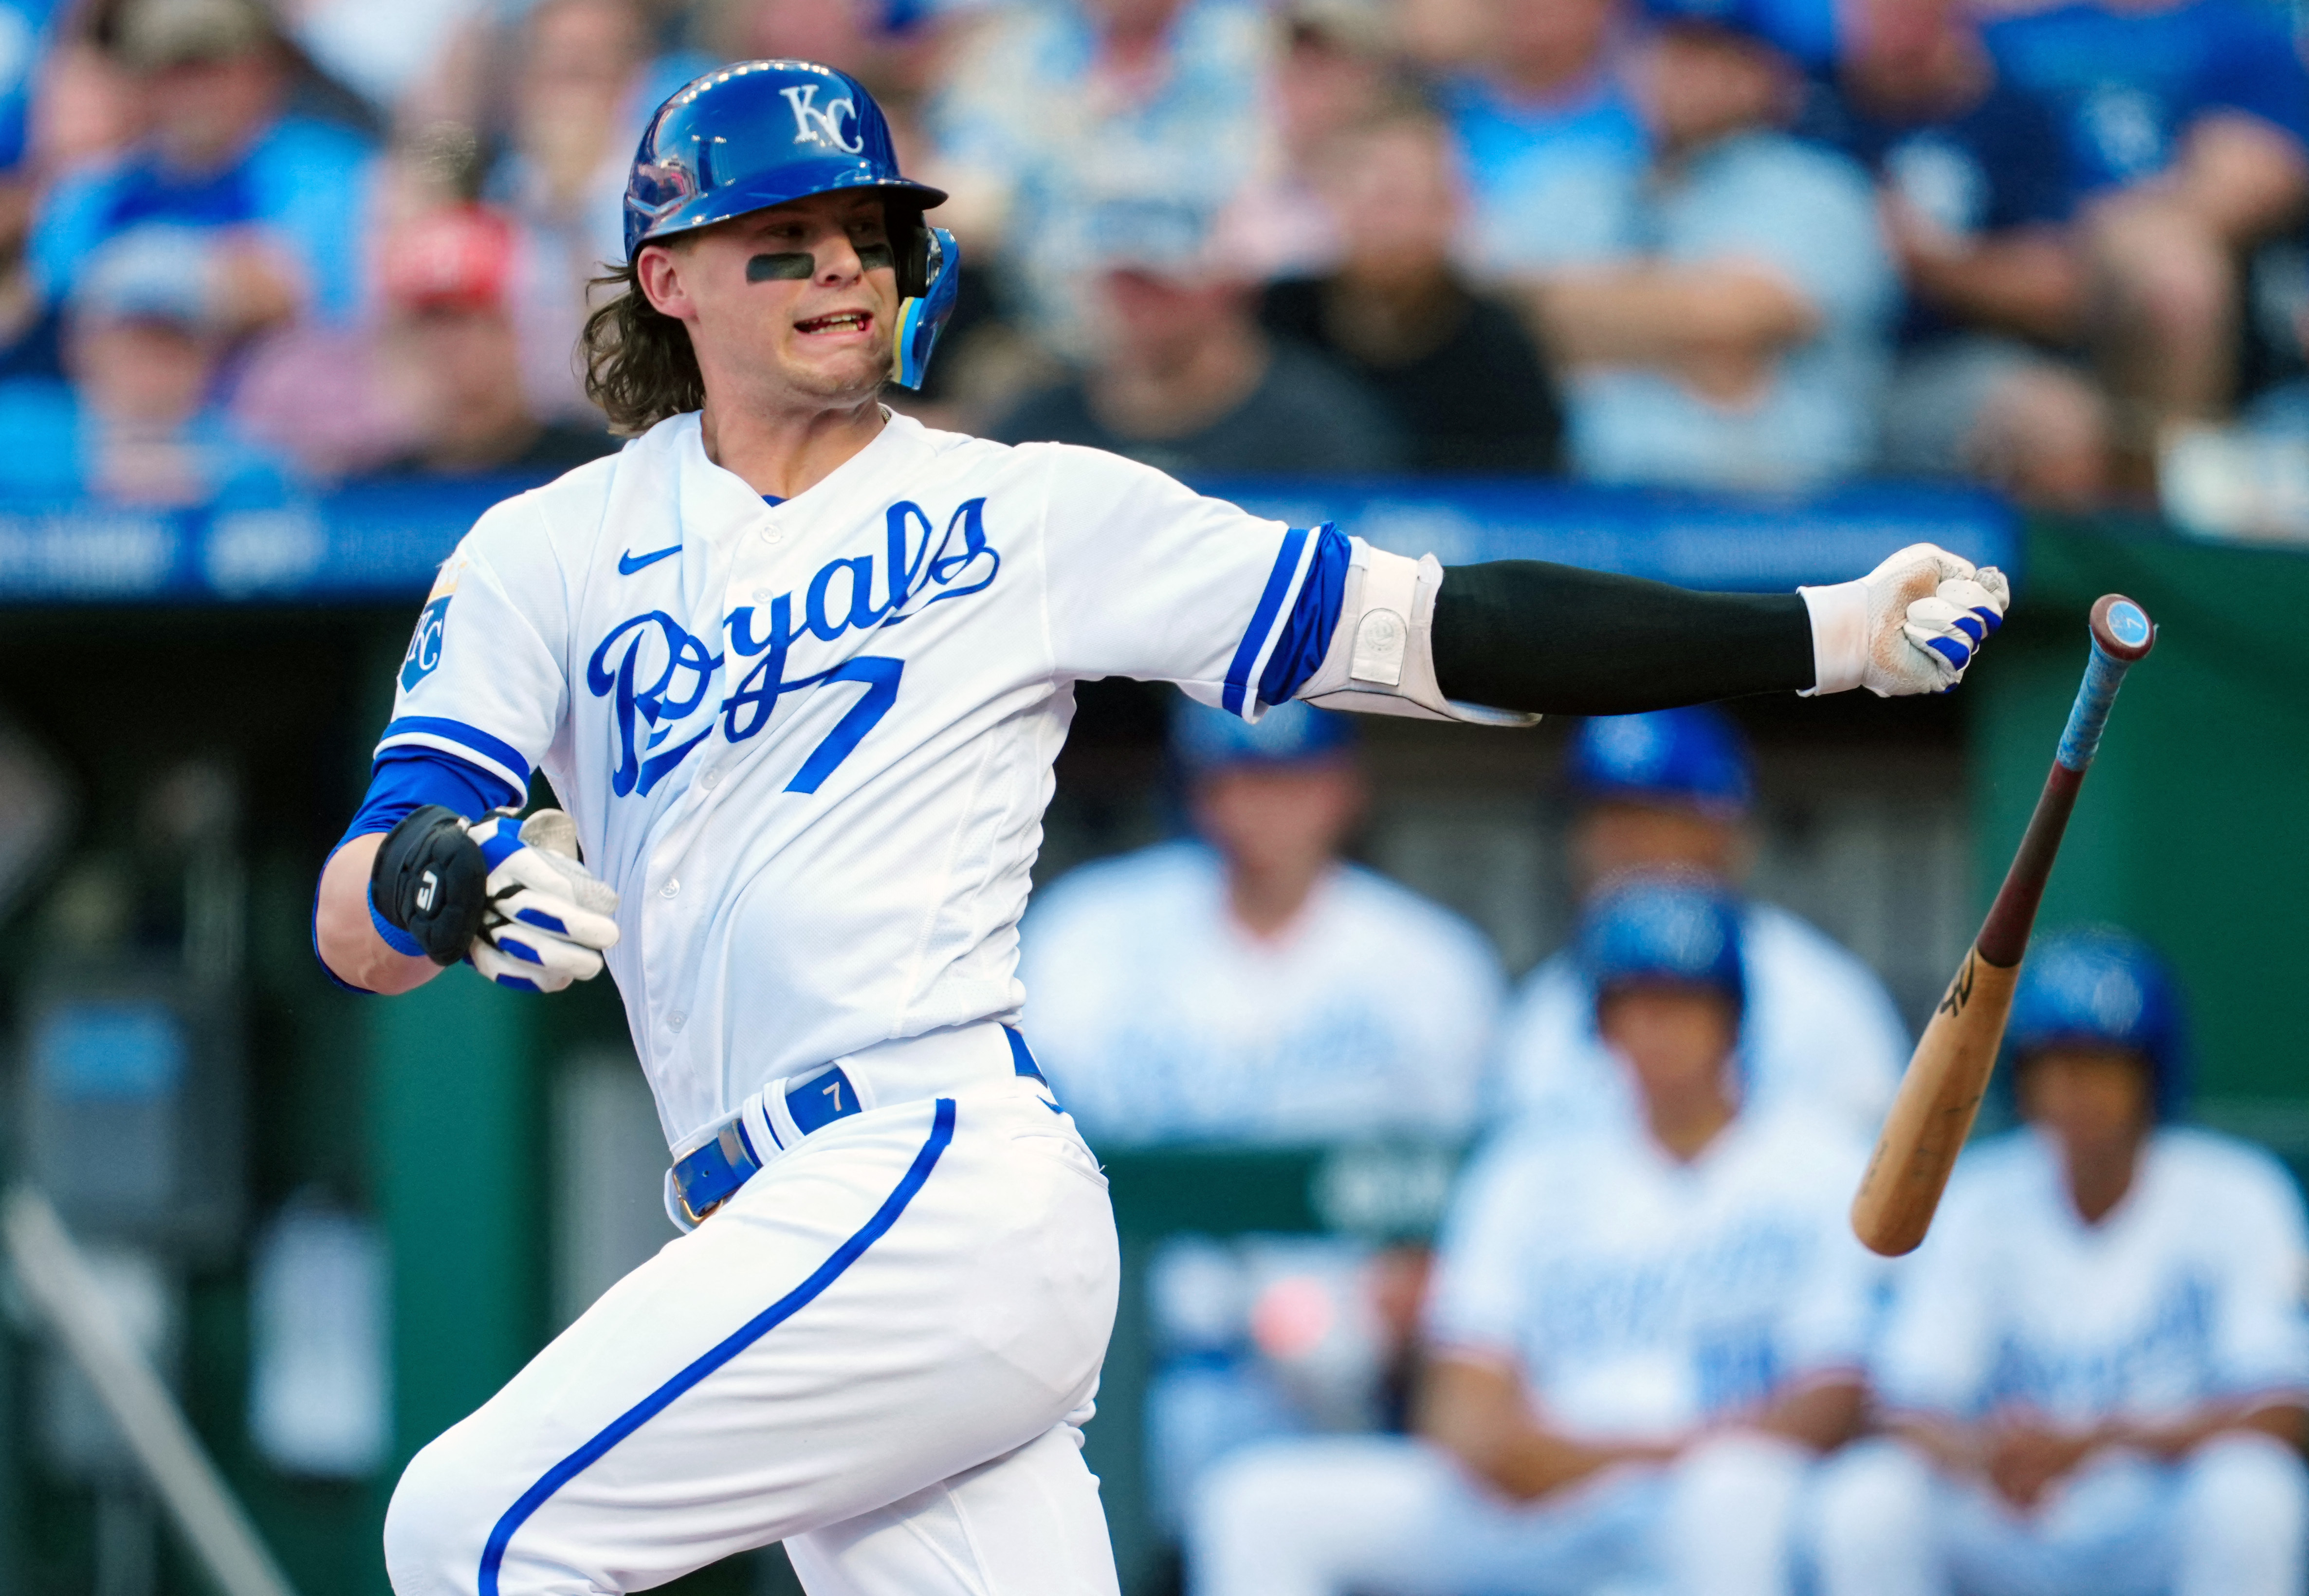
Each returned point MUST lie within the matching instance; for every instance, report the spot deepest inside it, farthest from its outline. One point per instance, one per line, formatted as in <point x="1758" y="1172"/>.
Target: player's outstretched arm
<point x="508" y="894"/>
<point x="1546" y="639"/>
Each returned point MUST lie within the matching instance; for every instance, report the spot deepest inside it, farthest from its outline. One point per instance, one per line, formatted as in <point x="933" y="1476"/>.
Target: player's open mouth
<point x="840" y="321"/>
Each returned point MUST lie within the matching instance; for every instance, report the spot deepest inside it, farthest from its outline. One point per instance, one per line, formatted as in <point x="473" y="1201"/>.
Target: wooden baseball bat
<point x="1949" y="1072"/>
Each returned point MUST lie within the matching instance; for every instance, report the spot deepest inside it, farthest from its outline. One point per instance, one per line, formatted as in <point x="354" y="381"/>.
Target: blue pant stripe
<point x="746" y="1336"/>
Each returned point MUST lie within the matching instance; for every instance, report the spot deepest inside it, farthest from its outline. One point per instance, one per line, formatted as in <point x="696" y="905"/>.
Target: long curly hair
<point x="639" y="365"/>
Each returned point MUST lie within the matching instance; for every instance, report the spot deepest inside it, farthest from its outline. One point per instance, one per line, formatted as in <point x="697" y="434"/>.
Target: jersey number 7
<point x="880" y="674"/>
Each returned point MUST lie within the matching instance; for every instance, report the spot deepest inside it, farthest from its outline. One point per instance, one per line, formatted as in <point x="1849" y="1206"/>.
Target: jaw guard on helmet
<point x="930" y="289"/>
<point x="745" y="138"/>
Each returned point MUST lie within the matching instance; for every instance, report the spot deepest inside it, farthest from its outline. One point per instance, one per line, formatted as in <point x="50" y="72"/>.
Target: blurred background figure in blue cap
<point x="1643" y="1331"/>
<point x="1247" y="984"/>
<point x="1669" y="794"/>
<point x="145" y="337"/>
<point x="2097" y="1369"/>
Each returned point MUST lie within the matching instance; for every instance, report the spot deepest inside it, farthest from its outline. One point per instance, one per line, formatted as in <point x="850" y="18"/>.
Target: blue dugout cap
<point x="1804" y="28"/>
<point x="2102" y="987"/>
<point x="1690" y="757"/>
<point x="1203" y="739"/>
<point x="1664" y="932"/>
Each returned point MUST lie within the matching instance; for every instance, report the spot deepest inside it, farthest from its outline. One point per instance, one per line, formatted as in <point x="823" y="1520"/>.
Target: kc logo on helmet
<point x="812" y="125"/>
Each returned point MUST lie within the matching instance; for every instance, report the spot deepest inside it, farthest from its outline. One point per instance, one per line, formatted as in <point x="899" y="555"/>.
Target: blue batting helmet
<point x="760" y="133"/>
<point x="1690" y="757"/>
<point x="2102" y="987"/>
<point x="1664" y="932"/>
<point x="1207" y="739"/>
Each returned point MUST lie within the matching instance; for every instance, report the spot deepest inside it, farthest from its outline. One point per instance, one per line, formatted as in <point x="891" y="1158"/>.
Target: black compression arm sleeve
<point x="1524" y="634"/>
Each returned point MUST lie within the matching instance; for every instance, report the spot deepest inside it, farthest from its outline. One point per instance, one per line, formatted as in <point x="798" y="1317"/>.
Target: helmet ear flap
<point x="922" y="315"/>
<point x="909" y="242"/>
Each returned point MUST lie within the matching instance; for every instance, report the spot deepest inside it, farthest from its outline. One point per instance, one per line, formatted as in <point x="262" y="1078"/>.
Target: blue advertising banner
<point x="383" y="541"/>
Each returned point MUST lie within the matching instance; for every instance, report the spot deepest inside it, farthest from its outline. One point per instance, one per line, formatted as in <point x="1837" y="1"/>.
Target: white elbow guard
<point x="1382" y="658"/>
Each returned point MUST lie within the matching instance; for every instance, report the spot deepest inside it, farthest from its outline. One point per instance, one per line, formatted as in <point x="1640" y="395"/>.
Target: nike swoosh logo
<point x="629" y="563"/>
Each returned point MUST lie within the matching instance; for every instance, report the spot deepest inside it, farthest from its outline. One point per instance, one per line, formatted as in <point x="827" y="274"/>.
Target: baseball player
<point x="797" y="668"/>
<point x="1640" y="1331"/>
<point x="2096" y="1374"/>
<point x="1247" y="986"/>
<point x="1669" y="792"/>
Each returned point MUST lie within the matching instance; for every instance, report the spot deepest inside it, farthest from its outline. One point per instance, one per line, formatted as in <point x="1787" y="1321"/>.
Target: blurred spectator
<point x="381" y="52"/>
<point x="446" y="280"/>
<point x="2097" y="1369"/>
<point x="1186" y="380"/>
<point x="1746" y="347"/>
<point x="1052" y="114"/>
<point x="1641" y="1333"/>
<point x="1977" y="203"/>
<point x="2184" y="122"/>
<point x="1669" y="794"/>
<point x="143" y="341"/>
<point x="287" y="197"/>
<point x="1334" y="68"/>
<point x="577" y="113"/>
<point x="1248" y="986"/>
<point x="1553" y="150"/>
<point x="31" y="342"/>
<point x="1461" y="378"/>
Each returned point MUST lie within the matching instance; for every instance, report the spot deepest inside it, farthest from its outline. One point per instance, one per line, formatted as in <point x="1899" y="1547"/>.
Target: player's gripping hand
<point x="508" y="893"/>
<point x="1910" y="625"/>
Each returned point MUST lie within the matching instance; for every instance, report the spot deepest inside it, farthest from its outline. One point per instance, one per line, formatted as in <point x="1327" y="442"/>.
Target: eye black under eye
<point x="877" y="256"/>
<point x="791" y="265"/>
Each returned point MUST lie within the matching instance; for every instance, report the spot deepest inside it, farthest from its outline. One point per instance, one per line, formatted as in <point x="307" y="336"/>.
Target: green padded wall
<point x="2190" y="828"/>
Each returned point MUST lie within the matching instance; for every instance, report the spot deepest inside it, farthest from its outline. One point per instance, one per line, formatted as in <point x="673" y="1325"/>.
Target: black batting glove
<point x="430" y="881"/>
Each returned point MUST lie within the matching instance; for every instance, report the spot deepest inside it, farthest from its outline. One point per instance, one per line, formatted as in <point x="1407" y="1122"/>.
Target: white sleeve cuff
<point x="1840" y="636"/>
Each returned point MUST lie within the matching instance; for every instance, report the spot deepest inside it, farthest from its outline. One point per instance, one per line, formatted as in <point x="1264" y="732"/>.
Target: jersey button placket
<point x="672" y="889"/>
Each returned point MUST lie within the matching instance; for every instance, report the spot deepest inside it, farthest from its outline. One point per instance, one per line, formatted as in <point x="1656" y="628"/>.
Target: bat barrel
<point x="2122" y="637"/>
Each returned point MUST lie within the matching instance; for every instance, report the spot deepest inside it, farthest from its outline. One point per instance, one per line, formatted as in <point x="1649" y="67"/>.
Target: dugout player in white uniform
<point x="1640" y="1334"/>
<point x="1669" y="792"/>
<point x="1248" y="986"/>
<point x="797" y="668"/>
<point x="2097" y="1368"/>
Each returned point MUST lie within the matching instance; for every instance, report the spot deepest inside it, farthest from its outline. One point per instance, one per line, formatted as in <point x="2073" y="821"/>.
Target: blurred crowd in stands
<point x="1725" y="244"/>
<point x="1647" y="1356"/>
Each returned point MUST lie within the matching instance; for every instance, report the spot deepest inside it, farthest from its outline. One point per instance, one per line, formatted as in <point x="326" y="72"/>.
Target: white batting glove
<point x="1910" y="625"/>
<point x="549" y="917"/>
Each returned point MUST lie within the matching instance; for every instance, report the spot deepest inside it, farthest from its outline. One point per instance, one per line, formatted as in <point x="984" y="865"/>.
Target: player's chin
<point x="854" y="373"/>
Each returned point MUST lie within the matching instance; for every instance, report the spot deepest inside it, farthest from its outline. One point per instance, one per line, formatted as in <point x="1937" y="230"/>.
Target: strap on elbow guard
<point x="429" y="880"/>
<point x="1382" y="656"/>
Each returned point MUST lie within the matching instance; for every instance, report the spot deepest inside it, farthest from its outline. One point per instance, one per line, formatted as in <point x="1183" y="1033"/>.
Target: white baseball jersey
<point x="2189" y="1291"/>
<point x="1158" y="1018"/>
<point x="1819" y="1032"/>
<point x="1641" y="1297"/>
<point x="810" y="743"/>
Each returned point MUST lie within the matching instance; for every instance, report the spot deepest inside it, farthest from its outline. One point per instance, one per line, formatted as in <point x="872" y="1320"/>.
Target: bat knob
<point x="2122" y="629"/>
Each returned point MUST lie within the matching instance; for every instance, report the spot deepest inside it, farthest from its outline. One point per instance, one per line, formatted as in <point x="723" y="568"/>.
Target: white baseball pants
<point x="876" y="1352"/>
<point x="1384" y="1516"/>
<point x="2230" y="1520"/>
